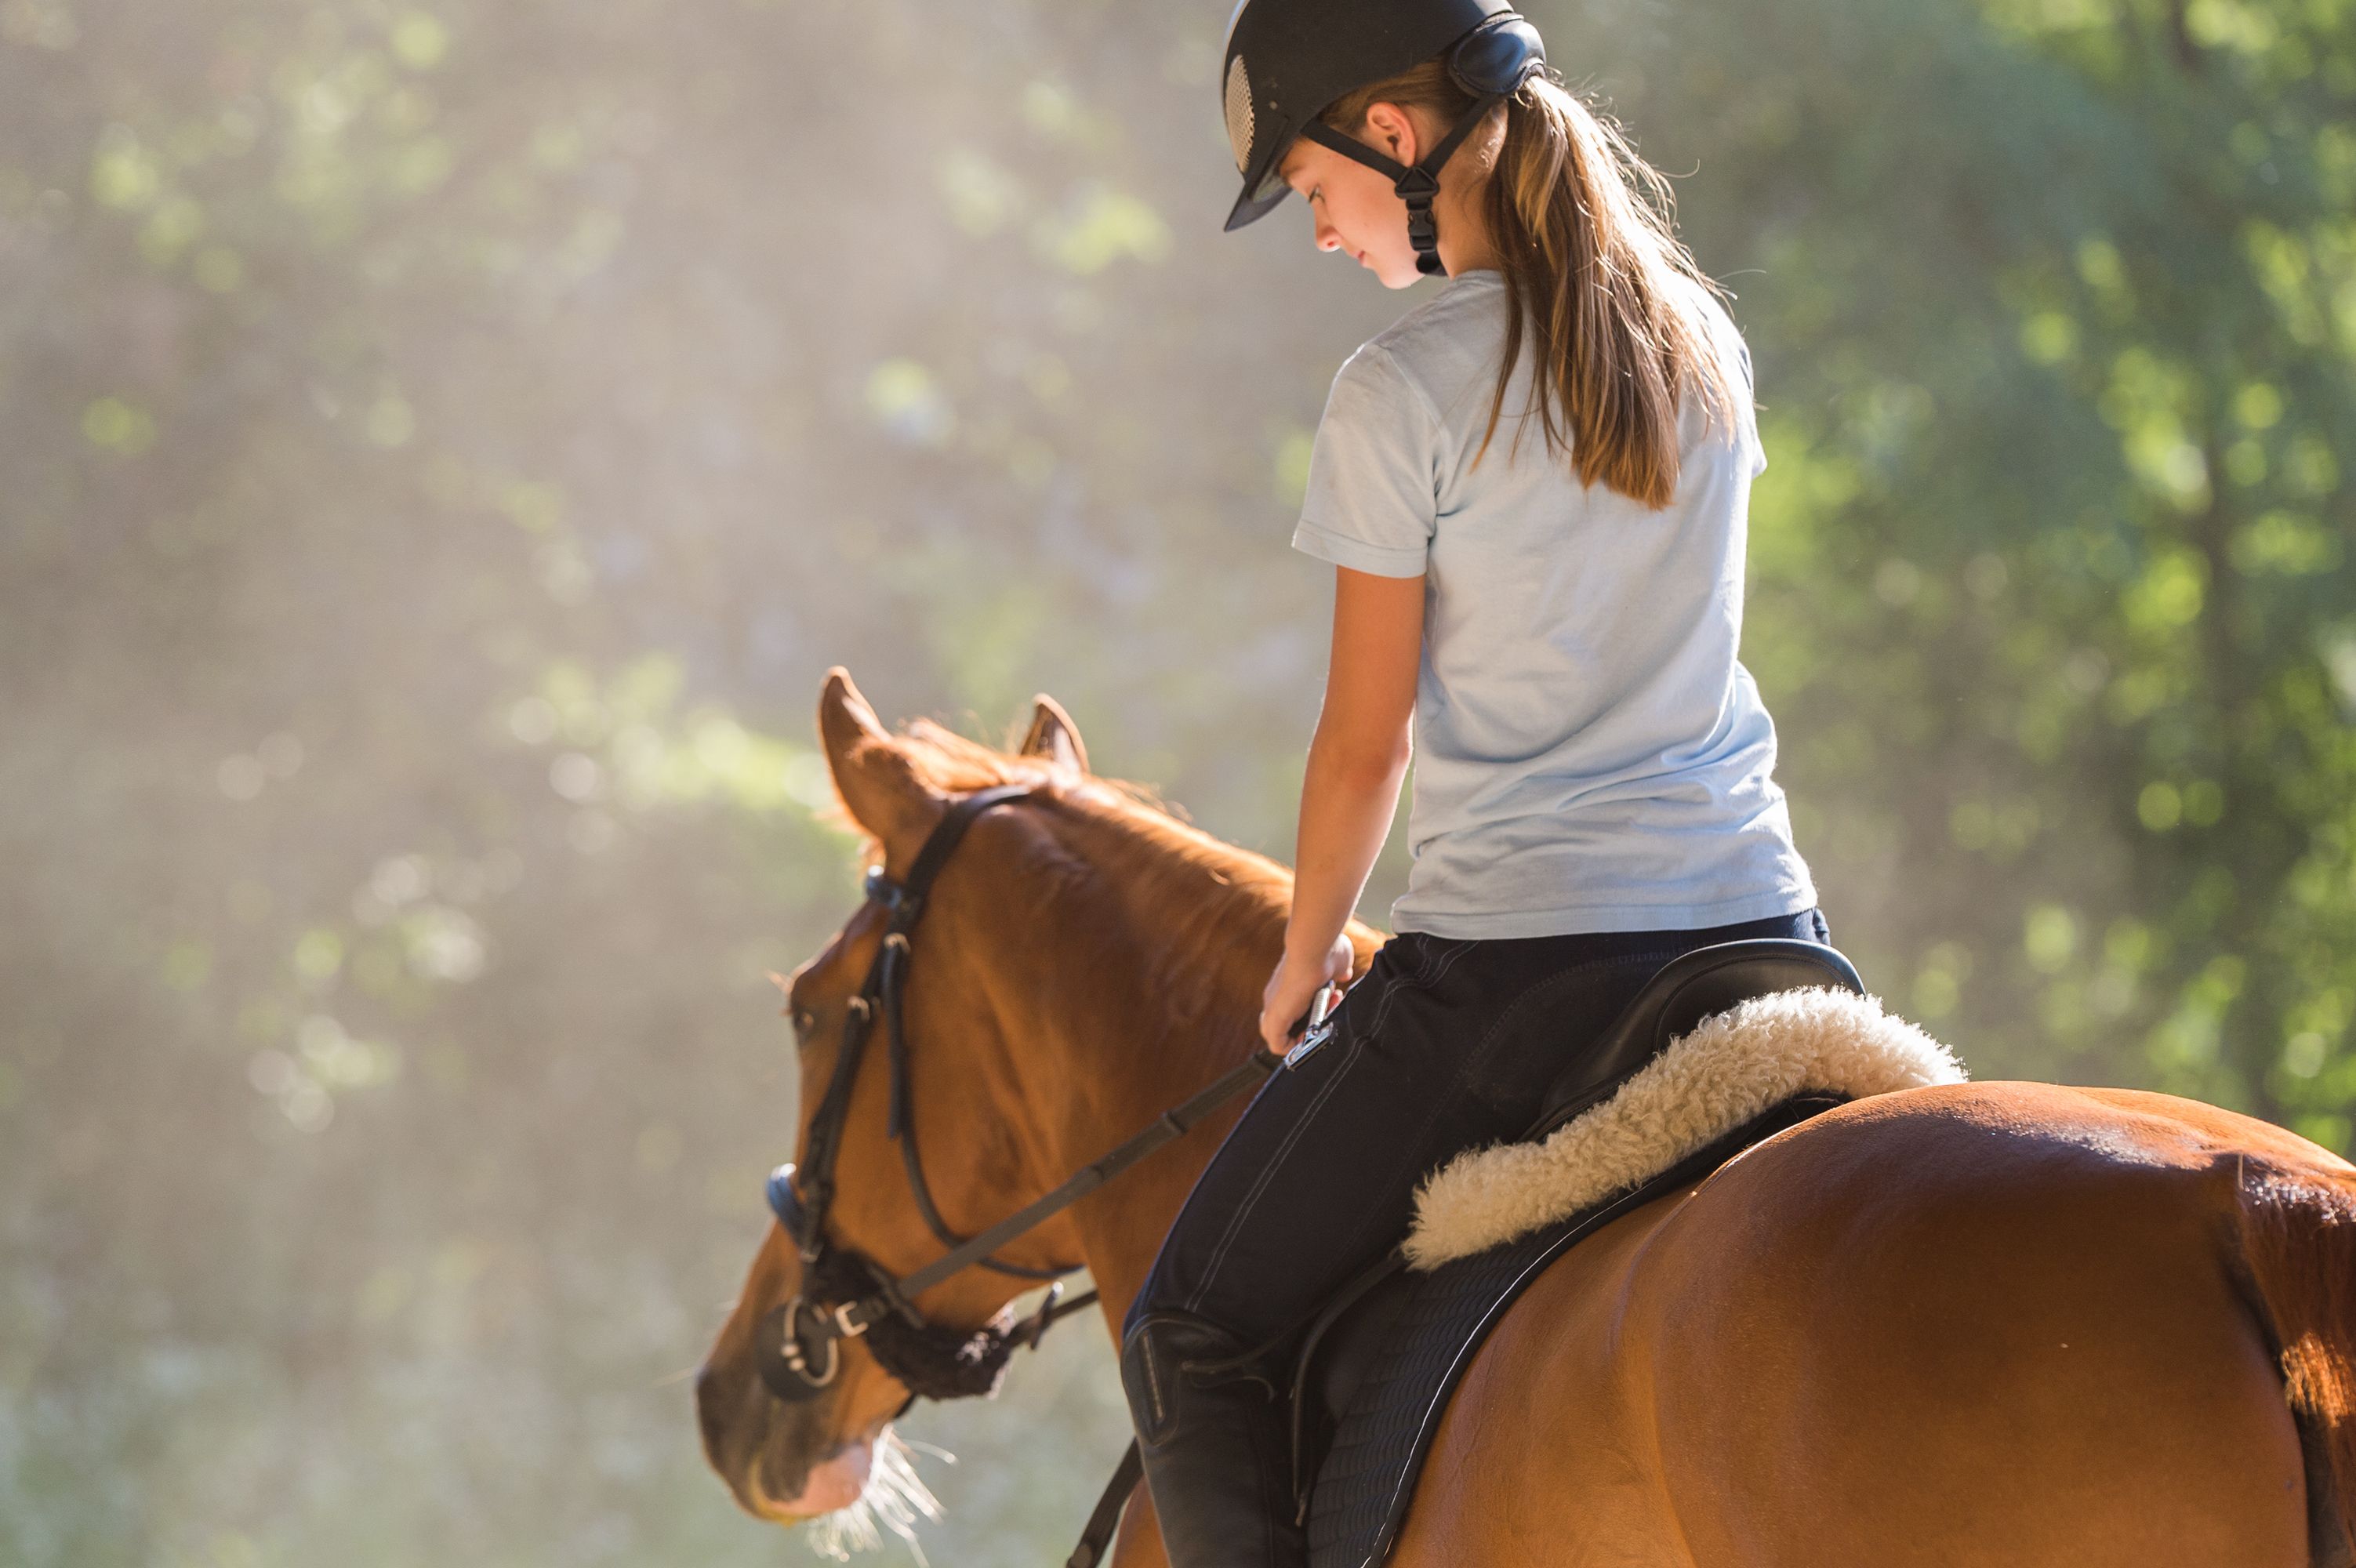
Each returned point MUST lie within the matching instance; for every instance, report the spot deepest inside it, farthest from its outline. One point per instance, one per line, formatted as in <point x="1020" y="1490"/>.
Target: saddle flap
<point x="1700" y="984"/>
<point x="1333" y="1358"/>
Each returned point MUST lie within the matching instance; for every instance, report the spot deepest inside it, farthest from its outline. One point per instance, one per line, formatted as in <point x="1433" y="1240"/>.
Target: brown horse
<point x="1995" y="1323"/>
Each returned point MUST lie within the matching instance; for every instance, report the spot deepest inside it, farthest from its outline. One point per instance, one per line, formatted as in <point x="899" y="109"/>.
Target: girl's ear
<point x="1391" y="128"/>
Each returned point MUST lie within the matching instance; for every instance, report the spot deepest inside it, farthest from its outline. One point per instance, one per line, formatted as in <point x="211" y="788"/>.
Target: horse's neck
<point x="1178" y="934"/>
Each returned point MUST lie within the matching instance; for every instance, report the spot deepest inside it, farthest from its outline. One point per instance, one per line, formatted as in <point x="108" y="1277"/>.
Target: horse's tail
<point x="2299" y="1243"/>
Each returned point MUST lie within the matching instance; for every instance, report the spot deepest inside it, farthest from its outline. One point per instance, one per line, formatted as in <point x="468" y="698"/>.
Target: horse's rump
<point x="1977" y="1325"/>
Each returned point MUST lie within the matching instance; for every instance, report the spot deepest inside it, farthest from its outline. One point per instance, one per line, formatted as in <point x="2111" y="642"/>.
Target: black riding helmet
<point x="1287" y="61"/>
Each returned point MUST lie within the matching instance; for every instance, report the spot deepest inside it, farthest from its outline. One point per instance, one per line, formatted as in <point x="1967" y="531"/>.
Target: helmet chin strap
<point x="1418" y="187"/>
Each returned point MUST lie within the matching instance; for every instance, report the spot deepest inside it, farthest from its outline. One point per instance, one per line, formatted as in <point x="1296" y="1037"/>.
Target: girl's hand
<point x="1295" y="984"/>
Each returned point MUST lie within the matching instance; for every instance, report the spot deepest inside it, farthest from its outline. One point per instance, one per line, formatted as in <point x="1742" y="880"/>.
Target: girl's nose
<point x="1328" y="237"/>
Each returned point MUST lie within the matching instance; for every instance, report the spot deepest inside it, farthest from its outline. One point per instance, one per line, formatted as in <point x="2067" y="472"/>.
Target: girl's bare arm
<point x="1356" y="763"/>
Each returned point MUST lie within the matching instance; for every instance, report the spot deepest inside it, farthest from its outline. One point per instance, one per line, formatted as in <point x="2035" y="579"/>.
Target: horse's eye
<point x="804" y="1022"/>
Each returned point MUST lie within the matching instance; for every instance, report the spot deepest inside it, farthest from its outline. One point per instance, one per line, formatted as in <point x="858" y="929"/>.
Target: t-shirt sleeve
<point x="1373" y="475"/>
<point x="1750" y="408"/>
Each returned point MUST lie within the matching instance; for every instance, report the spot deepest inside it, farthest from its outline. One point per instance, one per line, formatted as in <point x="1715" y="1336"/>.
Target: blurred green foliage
<point x="442" y="446"/>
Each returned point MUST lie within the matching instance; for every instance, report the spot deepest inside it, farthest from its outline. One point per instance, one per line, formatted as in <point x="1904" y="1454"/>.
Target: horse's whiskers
<point x="895" y="1497"/>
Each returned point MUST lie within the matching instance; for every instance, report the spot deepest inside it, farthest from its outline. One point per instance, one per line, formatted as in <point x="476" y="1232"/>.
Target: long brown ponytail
<point x="1594" y="272"/>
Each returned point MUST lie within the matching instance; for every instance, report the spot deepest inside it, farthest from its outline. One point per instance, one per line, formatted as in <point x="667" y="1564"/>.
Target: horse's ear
<point x="879" y="786"/>
<point x="1053" y="736"/>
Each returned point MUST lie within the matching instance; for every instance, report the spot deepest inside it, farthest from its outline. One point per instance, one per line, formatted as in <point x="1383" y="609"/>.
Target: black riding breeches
<point x="1443" y="1046"/>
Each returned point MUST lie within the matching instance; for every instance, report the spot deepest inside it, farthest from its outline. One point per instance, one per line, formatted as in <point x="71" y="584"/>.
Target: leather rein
<point x="848" y="1296"/>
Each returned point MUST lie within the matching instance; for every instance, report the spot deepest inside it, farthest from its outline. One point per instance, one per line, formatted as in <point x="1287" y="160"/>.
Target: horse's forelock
<point x="950" y="764"/>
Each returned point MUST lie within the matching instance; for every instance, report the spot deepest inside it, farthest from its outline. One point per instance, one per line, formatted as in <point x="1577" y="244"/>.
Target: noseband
<point x="846" y="1294"/>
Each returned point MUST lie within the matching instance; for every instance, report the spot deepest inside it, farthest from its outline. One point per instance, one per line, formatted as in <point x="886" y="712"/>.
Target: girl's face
<point x="1353" y="207"/>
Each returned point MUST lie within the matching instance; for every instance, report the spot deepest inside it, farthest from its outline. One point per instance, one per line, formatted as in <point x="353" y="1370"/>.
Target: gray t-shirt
<point x="1589" y="756"/>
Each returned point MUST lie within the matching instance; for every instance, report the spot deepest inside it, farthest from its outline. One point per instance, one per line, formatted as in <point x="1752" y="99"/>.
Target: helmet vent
<point x="1239" y="113"/>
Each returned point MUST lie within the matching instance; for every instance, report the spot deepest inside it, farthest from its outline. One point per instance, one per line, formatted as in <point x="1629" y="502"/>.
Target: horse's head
<point x="964" y="1017"/>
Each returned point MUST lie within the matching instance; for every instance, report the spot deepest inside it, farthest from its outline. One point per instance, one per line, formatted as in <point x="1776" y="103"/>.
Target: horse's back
<point x="1898" y="1334"/>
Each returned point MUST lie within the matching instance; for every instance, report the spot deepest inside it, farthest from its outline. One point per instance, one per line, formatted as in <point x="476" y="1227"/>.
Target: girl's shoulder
<point x="1445" y="345"/>
<point x="1709" y="305"/>
<point x="1471" y="304"/>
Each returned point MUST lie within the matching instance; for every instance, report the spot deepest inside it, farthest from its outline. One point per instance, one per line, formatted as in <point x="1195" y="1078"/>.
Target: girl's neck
<point x="1469" y="250"/>
<point x="1465" y="243"/>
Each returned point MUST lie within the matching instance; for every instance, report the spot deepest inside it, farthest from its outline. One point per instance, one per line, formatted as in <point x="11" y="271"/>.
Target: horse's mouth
<point x="833" y="1484"/>
<point x="850" y="1499"/>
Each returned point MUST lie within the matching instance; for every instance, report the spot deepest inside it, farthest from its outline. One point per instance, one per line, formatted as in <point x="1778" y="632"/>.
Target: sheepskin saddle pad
<point x="1383" y="1358"/>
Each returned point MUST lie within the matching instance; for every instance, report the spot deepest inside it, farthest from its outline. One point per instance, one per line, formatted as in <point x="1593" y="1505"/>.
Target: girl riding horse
<point x="1985" y="1326"/>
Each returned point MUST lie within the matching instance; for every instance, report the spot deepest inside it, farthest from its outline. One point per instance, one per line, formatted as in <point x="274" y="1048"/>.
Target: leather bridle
<point x="848" y="1296"/>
